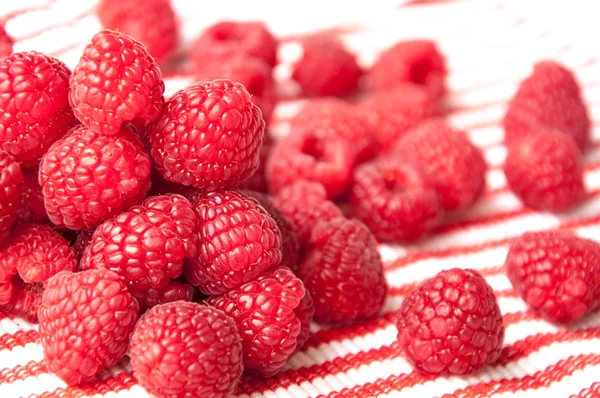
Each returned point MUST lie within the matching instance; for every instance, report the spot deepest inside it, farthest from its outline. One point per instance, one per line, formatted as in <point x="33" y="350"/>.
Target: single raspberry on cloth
<point x="87" y="177"/>
<point x="24" y="302"/>
<point x="186" y="349"/>
<point x="174" y="291"/>
<point x="451" y="324"/>
<point x="390" y="114"/>
<point x="556" y="273"/>
<point x="6" y="43"/>
<point x="258" y="181"/>
<point x="86" y="319"/>
<point x="394" y="200"/>
<point x="237" y="241"/>
<point x="154" y="24"/>
<point x="227" y="39"/>
<point x="115" y="81"/>
<point x="550" y="98"/>
<point x="33" y="103"/>
<point x="208" y="136"/>
<point x="11" y="178"/>
<point x="412" y="61"/>
<point x="343" y="273"/>
<point x="326" y="68"/>
<point x="545" y="170"/>
<point x="32" y="207"/>
<point x="447" y="160"/>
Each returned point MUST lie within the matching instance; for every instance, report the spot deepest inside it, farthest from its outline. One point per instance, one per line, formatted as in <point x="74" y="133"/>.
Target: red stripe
<point x="20" y="338"/>
<point x="122" y="381"/>
<point x="590" y="392"/>
<point x="31" y="369"/>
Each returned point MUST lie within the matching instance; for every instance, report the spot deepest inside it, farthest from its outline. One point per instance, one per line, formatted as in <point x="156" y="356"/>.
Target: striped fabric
<point x="491" y="45"/>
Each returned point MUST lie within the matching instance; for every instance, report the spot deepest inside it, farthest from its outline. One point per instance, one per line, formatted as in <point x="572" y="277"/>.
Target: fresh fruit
<point x="258" y="181"/>
<point x="11" y="178"/>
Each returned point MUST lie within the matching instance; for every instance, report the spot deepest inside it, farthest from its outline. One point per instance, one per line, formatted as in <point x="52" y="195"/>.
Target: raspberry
<point x="258" y="181"/>
<point x="394" y="201"/>
<point x="413" y="61"/>
<point x="38" y="252"/>
<point x="545" y="170"/>
<point x="83" y="240"/>
<point x="451" y="324"/>
<point x="326" y="68"/>
<point x="24" y="302"/>
<point x="310" y="154"/>
<point x="154" y="24"/>
<point x="146" y="246"/>
<point x="253" y="73"/>
<point x="115" y="81"/>
<point x="172" y="292"/>
<point x="32" y="207"/>
<point x="305" y="312"/>
<point x="87" y="177"/>
<point x="11" y="178"/>
<point x="304" y="204"/>
<point x="183" y="349"/>
<point x="390" y="114"/>
<point x="9" y="284"/>
<point x="208" y="136"/>
<point x="289" y="241"/>
<point x="343" y="273"/>
<point x="549" y="98"/>
<point x="238" y="240"/>
<point x="33" y="103"/>
<point x="447" y="159"/>
<point x="556" y="273"/>
<point x="227" y="39"/>
<point x="85" y="323"/>
<point x="6" y="43"/>
<point x="264" y="312"/>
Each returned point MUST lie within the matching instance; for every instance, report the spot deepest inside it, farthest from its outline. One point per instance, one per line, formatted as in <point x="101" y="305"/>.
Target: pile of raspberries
<point x="178" y="232"/>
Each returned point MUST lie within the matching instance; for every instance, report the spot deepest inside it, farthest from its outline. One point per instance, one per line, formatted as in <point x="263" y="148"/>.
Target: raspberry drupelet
<point x="208" y="136"/>
<point x="11" y="178"/>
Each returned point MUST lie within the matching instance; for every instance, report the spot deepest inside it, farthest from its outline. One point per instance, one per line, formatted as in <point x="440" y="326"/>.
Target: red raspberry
<point x="154" y="24"/>
<point x="304" y="204"/>
<point x="549" y="98"/>
<point x="258" y="181"/>
<point x="87" y="177"/>
<point x="390" y="114"/>
<point x="115" y="81"/>
<point x="146" y="246"/>
<point x="326" y="68"/>
<point x="451" y="324"/>
<point x="253" y="73"/>
<point x="264" y="312"/>
<point x="313" y="155"/>
<point x="208" y="136"/>
<point x="6" y="43"/>
<point x="556" y="273"/>
<point x="394" y="201"/>
<point x="172" y="292"/>
<point x="289" y="240"/>
<point x="11" y="178"/>
<point x="343" y="273"/>
<point x="25" y="301"/>
<point x="545" y="170"/>
<point x="32" y="199"/>
<point x="38" y="252"/>
<point x="33" y="103"/>
<point x="9" y="284"/>
<point x="85" y="323"/>
<point x="238" y="240"/>
<point x="183" y="349"/>
<point x="447" y="160"/>
<point x="413" y="61"/>
<point x="227" y="39"/>
<point x="83" y="240"/>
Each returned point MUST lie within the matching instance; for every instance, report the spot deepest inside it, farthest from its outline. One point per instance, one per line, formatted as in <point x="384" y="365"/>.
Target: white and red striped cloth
<point x="490" y="45"/>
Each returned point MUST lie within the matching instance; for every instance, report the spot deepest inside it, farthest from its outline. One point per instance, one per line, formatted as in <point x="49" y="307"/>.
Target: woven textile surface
<point x="490" y="46"/>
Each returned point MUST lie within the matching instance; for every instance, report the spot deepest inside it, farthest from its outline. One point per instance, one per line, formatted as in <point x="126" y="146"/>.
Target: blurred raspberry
<point x="447" y="160"/>
<point x="264" y="312"/>
<point x="11" y="179"/>
<point x="154" y="24"/>
<point x="87" y="177"/>
<point x="545" y="170"/>
<point x="326" y="68"/>
<point x="394" y="201"/>
<point x="227" y="39"/>
<point x="32" y="199"/>
<point x="25" y="301"/>
<point x="6" y="43"/>
<point x="221" y="139"/>
<point x="412" y="61"/>
<point x="115" y="81"/>
<point x="85" y="322"/>
<point x="451" y="324"/>
<point x="183" y="349"/>
<point x="550" y="98"/>
<point x="238" y="240"/>
<point x="33" y="103"/>
<point x="390" y="114"/>
<point x="343" y="273"/>
<point x="174" y="291"/>
<point x="258" y="181"/>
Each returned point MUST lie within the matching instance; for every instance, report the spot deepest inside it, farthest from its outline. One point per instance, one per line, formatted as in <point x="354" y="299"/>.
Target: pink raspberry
<point x="11" y="179"/>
